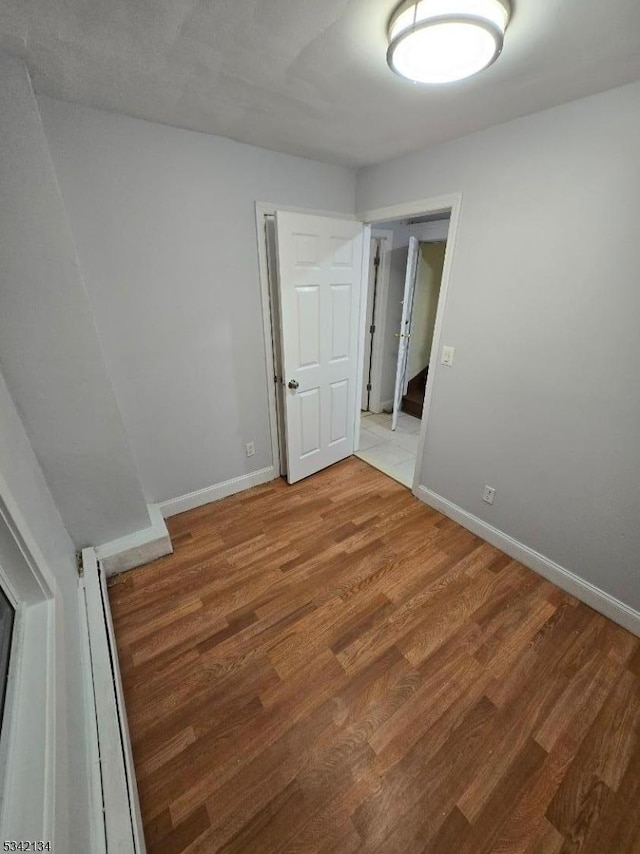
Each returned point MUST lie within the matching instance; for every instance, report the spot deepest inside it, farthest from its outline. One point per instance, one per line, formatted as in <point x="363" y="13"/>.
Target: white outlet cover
<point x="489" y="494"/>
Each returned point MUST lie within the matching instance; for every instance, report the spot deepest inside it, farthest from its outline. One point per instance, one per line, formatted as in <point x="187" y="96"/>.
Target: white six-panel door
<point x="320" y="267"/>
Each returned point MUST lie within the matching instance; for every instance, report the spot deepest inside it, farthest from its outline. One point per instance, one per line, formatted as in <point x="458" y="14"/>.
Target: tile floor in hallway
<point x="391" y="452"/>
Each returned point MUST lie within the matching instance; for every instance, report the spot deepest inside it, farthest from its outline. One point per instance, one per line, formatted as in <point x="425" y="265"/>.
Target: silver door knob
<point x="293" y="384"/>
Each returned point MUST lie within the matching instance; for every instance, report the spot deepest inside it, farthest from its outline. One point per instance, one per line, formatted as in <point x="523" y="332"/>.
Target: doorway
<point x="367" y="269"/>
<point x="390" y="434"/>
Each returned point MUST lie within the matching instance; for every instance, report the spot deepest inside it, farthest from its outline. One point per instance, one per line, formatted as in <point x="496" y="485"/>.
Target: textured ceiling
<point x="309" y="77"/>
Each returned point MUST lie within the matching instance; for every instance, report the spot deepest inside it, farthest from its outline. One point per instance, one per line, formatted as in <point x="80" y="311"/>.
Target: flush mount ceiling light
<point x="440" y="41"/>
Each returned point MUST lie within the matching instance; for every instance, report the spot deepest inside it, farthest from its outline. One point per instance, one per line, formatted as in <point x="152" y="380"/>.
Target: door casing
<point x="451" y="204"/>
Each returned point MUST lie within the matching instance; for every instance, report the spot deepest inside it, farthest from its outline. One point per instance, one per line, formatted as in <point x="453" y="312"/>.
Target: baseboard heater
<point x="117" y="820"/>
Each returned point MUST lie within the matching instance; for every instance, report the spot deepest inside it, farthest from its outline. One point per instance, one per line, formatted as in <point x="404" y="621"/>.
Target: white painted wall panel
<point x="164" y="223"/>
<point x="340" y="321"/>
<point x="339" y="403"/>
<point x="49" y="348"/>
<point x="308" y="329"/>
<point x="309" y="408"/>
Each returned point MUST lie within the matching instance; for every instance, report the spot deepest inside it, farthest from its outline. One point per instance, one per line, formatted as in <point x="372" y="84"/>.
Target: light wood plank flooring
<point x="335" y="667"/>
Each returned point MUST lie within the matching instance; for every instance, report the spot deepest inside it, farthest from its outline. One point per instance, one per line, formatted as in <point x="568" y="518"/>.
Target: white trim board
<point x="362" y="324"/>
<point x="262" y="211"/>
<point x="379" y="316"/>
<point x="29" y="748"/>
<point x="94" y="776"/>
<point x="415" y="207"/>
<point x="114" y="779"/>
<point x="216" y="492"/>
<point x="137" y="548"/>
<point x="586" y="592"/>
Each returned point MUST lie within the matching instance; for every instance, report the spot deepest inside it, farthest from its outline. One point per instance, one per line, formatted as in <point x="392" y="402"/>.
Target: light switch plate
<point x="447" y="356"/>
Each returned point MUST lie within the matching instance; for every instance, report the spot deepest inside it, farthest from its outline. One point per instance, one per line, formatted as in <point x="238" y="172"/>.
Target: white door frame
<point x="380" y="317"/>
<point x="28" y="743"/>
<point x="405" y="210"/>
<point x="276" y="349"/>
<point x="421" y="207"/>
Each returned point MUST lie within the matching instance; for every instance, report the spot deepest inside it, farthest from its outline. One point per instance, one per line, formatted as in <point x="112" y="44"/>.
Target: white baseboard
<point x="137" y="548"/>
<point x="588" y="593"/>
<point x="214" y="493"/>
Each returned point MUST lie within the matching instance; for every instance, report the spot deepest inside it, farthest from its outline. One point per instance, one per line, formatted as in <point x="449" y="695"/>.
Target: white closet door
<point x="320" y="272"/>
<point x="405" y="329"/>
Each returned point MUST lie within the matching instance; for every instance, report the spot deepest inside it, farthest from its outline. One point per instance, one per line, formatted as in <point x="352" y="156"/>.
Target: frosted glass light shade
<point x="440" y="41"/>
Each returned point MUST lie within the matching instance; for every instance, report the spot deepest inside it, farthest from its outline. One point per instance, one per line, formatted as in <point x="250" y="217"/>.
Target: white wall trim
<point x="137" y="548"/>
<point x="96" y="801"/>
<point x="403" y="210"/>
<point x="216" y="492"/>
<point x="380" y="316"/>
<point x="122" y="823"/>
<point x="362" y="323"/>
<point x="263" y="210"/>
<point x="588" y="593"/>
<point x="28" y="778"/>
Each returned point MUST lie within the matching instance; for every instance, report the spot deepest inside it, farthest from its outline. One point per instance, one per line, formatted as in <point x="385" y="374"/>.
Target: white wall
<point x="49" y="349"/>
<point x="542" y="402"/>
<point x="164" y="222"/>
<point x="23" y="477"/>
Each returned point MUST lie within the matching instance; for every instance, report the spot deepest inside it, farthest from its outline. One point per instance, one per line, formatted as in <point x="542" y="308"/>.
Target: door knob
<point x="293" y="384"/>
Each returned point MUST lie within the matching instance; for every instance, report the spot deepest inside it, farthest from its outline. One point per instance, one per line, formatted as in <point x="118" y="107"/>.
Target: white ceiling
<point x="309" y="77"/>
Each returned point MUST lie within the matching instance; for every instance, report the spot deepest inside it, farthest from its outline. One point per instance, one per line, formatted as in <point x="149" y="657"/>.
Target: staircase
<point x="413" y="400"/>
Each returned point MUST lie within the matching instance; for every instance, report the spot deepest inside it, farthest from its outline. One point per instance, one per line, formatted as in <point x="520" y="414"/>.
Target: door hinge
<point x="368" y="386"/>
<point x="376" y="261"/>
<point x="79" y="564"/>
<point x="372" y="329"/>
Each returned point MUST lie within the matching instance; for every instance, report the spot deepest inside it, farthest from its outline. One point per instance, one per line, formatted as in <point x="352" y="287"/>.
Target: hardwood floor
<point x="335" y="667"/>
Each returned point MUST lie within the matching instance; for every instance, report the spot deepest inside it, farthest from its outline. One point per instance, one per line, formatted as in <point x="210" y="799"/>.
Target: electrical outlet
<point x="447" y="356"/>
<point x="251" y="449"/>
<point x="489" y="494"/>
